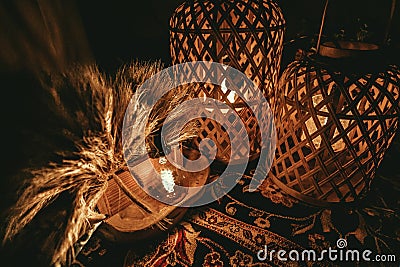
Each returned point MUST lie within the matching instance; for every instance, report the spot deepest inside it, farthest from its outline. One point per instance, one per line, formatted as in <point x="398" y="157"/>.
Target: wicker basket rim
<point x="352" y="45"/>
<point x="346" y="49"/>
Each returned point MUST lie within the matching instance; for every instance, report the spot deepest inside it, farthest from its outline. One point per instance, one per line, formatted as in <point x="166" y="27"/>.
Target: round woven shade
<point x="246" y="35"/>
<point x="333" y="129"/>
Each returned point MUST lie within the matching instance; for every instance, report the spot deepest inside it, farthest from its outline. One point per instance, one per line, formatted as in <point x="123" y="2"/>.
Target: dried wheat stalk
<point x="94" y="112"/>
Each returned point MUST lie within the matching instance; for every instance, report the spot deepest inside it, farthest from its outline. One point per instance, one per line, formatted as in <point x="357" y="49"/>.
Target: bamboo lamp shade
<point x="333" y="129"/>
<point x="246" y="35"/>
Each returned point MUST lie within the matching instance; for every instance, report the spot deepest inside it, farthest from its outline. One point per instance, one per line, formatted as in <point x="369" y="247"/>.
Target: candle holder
<point x="135" y="215"/>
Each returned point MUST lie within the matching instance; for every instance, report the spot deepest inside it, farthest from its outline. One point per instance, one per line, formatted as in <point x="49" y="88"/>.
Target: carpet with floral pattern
<point x="232" y="230"/>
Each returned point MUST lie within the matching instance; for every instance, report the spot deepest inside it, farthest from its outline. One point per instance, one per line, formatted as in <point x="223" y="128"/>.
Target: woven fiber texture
<point x="246" y="35"/>
<point x="333" y="129"/>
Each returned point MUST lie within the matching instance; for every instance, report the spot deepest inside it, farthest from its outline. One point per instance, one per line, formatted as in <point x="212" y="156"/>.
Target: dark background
<point x="121" y="31"/>
<point x="118" y="31"/>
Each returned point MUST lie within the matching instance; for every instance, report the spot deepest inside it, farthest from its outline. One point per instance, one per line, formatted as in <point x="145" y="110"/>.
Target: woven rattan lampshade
<point x="334" y="125"/>
<point x="246" y="35"/>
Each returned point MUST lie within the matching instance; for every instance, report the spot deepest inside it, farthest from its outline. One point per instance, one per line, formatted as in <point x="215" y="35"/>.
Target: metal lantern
<point x="334" y="123"/>
<point x="246" y="35"/>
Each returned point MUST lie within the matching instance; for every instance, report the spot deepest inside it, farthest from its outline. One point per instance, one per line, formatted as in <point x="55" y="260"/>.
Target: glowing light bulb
<point x="167" y="179"/>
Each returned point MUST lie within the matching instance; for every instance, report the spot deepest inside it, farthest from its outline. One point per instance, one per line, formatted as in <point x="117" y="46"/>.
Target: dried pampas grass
<point x="93" y="107"/>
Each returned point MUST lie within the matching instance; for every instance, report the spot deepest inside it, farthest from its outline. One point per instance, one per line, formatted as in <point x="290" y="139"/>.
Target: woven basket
<point x="334" y="127"/>
<point x="246" y="35"/>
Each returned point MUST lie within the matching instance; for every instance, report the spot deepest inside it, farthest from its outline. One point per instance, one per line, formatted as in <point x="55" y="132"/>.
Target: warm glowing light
<point x="162" y="160"/>
<point x="312" y="127"/>
<point x="231" y="96"/>
<point x="167" y="177"/>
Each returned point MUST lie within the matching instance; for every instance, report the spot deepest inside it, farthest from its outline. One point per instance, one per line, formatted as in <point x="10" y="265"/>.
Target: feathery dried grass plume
<point x="93" y="106"/>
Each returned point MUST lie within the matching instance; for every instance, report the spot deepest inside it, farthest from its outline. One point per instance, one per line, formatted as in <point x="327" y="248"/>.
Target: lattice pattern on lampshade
<point x="333" y="129"/>
<point x="213" y="130"/>
<point x="245" y="34"/>
<point x="208" y="128"/>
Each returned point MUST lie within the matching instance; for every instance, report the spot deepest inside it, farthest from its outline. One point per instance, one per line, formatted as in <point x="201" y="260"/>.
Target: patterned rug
<point x="232" y="231"/>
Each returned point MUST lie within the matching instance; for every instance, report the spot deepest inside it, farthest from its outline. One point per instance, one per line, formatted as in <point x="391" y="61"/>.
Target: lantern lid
<point x="347" y="49"/>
